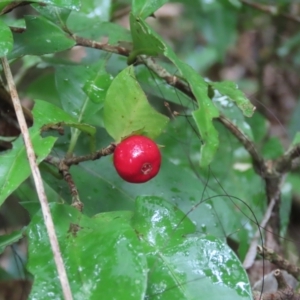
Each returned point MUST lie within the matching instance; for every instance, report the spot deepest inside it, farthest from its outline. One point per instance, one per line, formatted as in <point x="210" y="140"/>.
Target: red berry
<point x="137" y="159"/>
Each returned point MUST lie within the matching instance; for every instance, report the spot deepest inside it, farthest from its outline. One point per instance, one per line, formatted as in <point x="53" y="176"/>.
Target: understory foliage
<point x="95" y="72"/>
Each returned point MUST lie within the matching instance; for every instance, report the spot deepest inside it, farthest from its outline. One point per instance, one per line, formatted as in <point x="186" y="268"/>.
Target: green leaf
<point x="40" y="37"/>
<point x="145" y="8"/>
<point x="233" y="113"/>
<point x="11" y="161"/>
<point x="55" y="14"/>
<point x="296" y="139"/>
<point x="96" y="88"/>
<point x="127" y="109"/>
<point x="6" y="39"/>
<point x="69" y="4"/>
<point x="206" y="111"/>
<point x="55" y="115"/>
<point x="183" y="266"/>
<point x="9" y="239"/>
<point x="272" y="148"/>
<point x="102" y="256"/>
<point x="70" y="82"/>
<point x="230" y="89"/>
<point x="143" y="41"/>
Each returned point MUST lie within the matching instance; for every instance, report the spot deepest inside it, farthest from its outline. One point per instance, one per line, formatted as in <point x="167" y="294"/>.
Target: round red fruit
<point x="137" y="159"/>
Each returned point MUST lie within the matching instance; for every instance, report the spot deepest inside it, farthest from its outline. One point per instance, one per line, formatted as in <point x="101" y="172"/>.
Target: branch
<point x="271" y="10"/>
<point x="251" y="254"/>
<point x="38" y="183"/>
<point x="258" y="161"/>
<point x="285" y="162"/>
<point x="279" y="261"/>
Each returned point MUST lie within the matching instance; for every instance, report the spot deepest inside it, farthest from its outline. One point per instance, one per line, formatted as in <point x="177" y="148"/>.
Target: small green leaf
<point x="102" y="256"/>
<point x="127" y="110"/>
<point x="8" y="239"/>
<point x="96" y="88"/>
<point x="40" y="37"/>
<point x="143" y="41"/>
<point x="230" y="89"/>
<point x="55" y="115"/>
<point x="6" y="39"/>
<point x="145" y="8"/>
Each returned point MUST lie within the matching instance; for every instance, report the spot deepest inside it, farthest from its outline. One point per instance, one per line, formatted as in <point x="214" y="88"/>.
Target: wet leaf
<point x="6" y="39"/>
<point x="102" y="256"/>
<point x="40" y="37"/>
<point x="230" y="89"/>
<point x="127" y="109"/>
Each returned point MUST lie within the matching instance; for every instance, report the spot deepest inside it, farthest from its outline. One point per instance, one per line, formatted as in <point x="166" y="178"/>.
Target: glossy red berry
<point x="137" y="159"/>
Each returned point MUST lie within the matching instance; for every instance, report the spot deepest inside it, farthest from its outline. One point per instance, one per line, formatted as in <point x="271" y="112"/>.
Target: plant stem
<point x="38" y="183"/>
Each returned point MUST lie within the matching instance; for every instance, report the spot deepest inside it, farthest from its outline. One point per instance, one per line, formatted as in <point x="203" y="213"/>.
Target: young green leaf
<point x="143" y="41"/>
<point x="127" y="110"/>
<point x="230" y="89"/>
<point x="145" y="8"/>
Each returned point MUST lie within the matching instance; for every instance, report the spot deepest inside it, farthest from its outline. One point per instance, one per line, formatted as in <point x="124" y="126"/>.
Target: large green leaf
<point x="6" y="39"/>
<point x="127" y="109"/>
<point x="40" y="37"/>
<point x="121" y="251"/>
<point x="102" y="256"/>
<point x="206" y="111"/>
<point x="183" y="266"/>
<point x="145" y="8"/>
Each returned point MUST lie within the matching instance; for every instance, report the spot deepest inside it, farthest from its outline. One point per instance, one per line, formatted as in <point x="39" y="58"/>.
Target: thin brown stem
<point x="271" y="10"/>
<point x="65" y="285"/>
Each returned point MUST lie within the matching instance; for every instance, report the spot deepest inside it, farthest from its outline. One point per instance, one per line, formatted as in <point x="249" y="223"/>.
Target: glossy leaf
<point x="55" y="116"/>
<point x="6" y="39"/>
<point x="70" y="82"/>
<point x="40" y="37"/>
<point x="145" y="8"/>
<point x="11" y="173"/>
<point x="102" y="256"/>
<point x="233" y="113"/>
<point x="127" y="109"/>
<point x="96" y="88"/>
<point x="183" y="266"/>
<point x="69" y="4"/>
<point x="206" y="111"/>
<point x="230" y="89"/>
<point x="55" y="14"/>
